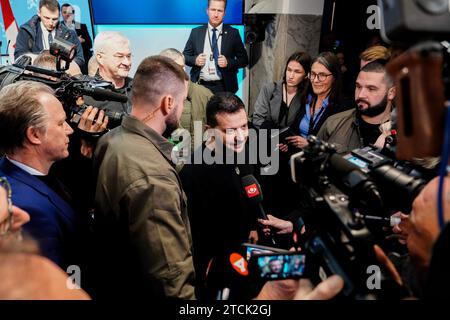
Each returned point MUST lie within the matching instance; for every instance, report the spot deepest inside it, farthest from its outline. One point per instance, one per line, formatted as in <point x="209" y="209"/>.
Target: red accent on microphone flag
<point x="11" y="28"/>
<point x="252" y="190"/>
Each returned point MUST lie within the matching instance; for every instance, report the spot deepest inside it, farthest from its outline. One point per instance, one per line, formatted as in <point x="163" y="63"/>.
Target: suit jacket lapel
<point x="39" y="186"/>
<point x="201" y="39"/>
<point x="225" y="41"/>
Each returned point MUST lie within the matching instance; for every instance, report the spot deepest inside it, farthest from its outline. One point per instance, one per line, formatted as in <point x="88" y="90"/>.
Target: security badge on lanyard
<point x="211" y="66"/>
<point x="214" y="56"/>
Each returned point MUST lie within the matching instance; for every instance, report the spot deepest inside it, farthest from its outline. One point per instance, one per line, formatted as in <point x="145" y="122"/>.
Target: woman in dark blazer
<point x="279" y="103"/>
<point x="283" y="197"/>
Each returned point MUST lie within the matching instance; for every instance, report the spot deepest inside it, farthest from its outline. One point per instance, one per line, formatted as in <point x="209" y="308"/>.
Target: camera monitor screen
<point x="280" y="266"/>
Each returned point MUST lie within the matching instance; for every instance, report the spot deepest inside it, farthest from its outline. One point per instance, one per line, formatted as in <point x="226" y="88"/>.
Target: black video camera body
<point x="67" y="89"/>
<point x="348" y="193"/>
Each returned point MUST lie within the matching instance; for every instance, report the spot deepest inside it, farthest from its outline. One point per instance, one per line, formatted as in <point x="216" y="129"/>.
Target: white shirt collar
<point x="219" y="27"/>
<point x="26" y="168"/>
<point x="45" y="31"/>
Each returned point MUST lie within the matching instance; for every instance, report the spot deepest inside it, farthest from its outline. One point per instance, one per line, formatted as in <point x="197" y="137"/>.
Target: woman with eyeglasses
<point x="279" y="103"/>
<point x="323" y="100"/>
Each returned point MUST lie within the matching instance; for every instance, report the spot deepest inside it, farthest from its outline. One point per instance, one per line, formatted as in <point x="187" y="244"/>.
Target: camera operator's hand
<point x="301" y="289"/>
<point x="297" y="141"/>
<point x="87" y="122"/>
<point x="279" y="225"/>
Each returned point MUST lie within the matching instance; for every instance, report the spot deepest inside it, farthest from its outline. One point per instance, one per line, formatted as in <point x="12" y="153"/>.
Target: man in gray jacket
<point x="142" y="227"/>
<point x="369" y="122"/>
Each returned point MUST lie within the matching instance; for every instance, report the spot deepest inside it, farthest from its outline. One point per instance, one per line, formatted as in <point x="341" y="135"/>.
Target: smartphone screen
<point x="280" y="266"/>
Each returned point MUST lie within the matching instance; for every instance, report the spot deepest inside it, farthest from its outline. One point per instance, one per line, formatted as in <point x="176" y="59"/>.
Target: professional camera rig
<point x="353" y="196"/>
<point x="67" y="89"/>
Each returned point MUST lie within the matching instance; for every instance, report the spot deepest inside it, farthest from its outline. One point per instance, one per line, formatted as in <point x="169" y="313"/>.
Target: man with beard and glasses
<point x="142" y="231"/>
<point x="369" y="122"/>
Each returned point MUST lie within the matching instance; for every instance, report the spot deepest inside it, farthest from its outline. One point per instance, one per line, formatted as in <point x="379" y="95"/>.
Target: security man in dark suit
<point x="215" y="52"/>
<point x="67" y="13"/>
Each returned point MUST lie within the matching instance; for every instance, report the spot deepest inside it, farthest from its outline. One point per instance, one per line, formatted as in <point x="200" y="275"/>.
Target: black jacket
<point x="232" y="48"/>
<point x="221" y="219"/>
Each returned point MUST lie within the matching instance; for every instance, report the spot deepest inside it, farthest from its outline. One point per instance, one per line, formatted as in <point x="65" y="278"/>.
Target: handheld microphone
<point x="255" y="196"/>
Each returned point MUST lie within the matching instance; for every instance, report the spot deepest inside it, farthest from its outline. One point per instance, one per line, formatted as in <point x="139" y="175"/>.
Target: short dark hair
<point x="378" y="66"/>
<point x="52" y="5"/>
<point x="209" y="1"/>
<point x="20" y="109"/>
<point x="223" y="102"/>
<point x="65" y="5"/>
<point x="155" y="77"/>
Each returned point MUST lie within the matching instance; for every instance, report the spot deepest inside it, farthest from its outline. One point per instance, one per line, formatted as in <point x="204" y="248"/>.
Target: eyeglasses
<point x="320" y="76"/>
<point x="6" y="225"/>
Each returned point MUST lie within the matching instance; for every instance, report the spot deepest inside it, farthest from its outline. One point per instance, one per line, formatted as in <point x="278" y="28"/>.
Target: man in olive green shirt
<point x="142" y="228"/>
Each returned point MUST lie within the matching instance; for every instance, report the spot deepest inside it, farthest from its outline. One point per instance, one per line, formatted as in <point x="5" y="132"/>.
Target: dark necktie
<point x="215" y="47"/>
<point x="50" y="40"/>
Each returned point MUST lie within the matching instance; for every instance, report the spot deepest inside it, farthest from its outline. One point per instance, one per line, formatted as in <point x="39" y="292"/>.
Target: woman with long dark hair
<point x="279" y="103"/>
<point x="323" y="100"/>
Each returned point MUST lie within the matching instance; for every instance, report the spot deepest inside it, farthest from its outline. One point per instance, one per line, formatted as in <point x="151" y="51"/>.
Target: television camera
<point x="353" y="196"/>
<point x="67" y="88"/>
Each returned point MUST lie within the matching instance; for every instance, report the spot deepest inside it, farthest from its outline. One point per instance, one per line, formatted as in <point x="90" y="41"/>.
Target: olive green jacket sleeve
<point x="160" y="234"/>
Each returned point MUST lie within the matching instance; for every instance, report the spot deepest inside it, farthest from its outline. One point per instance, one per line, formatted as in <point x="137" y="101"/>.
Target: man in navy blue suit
<point x="33" y="135"/>
<point x="215" y="52"/>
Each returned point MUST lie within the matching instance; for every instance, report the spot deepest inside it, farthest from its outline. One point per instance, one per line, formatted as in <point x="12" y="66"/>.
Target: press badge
<point x="211" y="67"/>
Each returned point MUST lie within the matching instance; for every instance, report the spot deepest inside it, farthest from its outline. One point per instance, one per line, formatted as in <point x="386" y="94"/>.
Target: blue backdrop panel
<point x="160" y="12"/>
